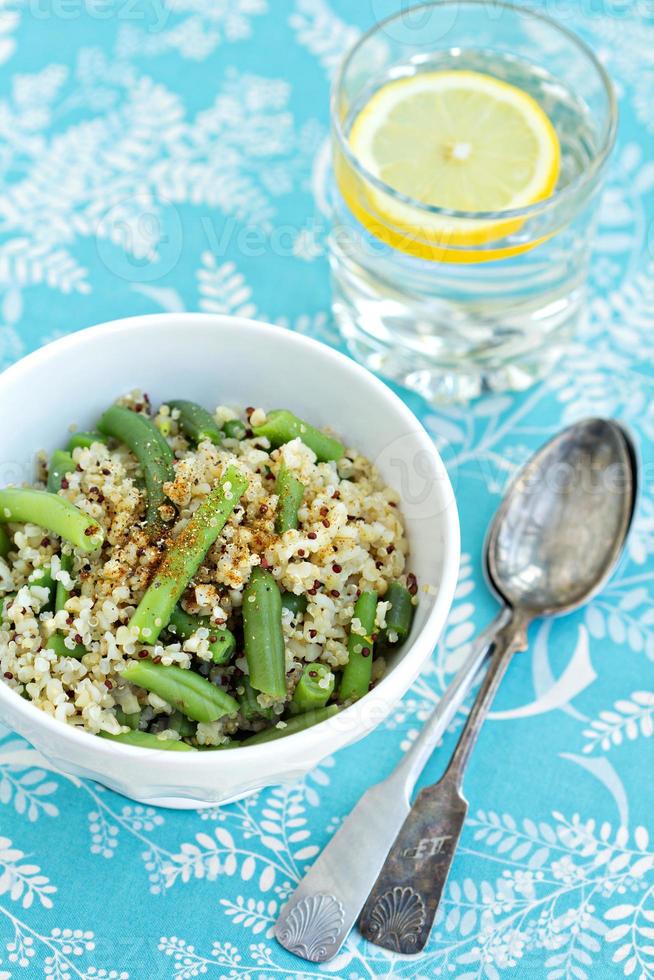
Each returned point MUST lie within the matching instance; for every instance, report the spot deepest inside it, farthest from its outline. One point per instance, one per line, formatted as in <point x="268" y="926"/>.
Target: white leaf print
<point x="323" y="33"/>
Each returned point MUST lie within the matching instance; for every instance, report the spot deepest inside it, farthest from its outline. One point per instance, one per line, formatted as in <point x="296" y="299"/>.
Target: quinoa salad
<point x="184" y="579"/>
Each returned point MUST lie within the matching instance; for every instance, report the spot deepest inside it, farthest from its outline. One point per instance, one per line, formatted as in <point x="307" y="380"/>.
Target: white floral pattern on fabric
<point x="170" y="155"/>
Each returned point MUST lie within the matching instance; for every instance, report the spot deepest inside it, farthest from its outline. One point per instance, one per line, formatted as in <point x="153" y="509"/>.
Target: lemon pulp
<point x="458" y="140"/>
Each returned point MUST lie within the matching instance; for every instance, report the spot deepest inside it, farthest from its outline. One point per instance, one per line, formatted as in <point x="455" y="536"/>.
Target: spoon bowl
<point x="560" y="530"/>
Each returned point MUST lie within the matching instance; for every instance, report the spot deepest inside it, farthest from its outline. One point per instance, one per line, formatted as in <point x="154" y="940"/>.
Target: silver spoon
<point x="321" y="912"/>
<point x="554" y="541"/>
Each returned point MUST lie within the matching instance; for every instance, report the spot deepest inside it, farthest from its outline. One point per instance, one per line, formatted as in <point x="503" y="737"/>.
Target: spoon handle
<point x="401" y="907"/>
<point x="316" y="920"/>
<point x="419" y="753"/>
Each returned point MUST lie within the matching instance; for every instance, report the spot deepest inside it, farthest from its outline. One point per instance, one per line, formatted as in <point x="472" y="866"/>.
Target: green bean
<point x="53" y="513"/>
<point x="182" y="725"/>
<point x="314" y="688"/>
<point x="263" y="636"/>
<point x="144" y="740"/>
<point x="193" y="695"/>
<point x="58" y="645"/>
<point x="185" y="554"/>
<point x="184" y="625"/>
<point x="43" y="578"/>
<point x="400" y="614"/>
<point x="84" y="440"/>
<point x="281" y="426"/>
<point x="58" y="596"/>
<point x="235" y="429"/>
<point x="130" y="720"/>
<point x="62" y="592"/>
<point x="222" y="642"/>
<point x="5" y="542"/>
<point x="196" y="423"/>
<point x="296" y="603"/>
<point x="291" y="493"/>
<point x="154" y="454"/>
<point x="356" y="675"/>
<point x="61" y="463"/>
<point x="248" y="703"/>
<point x="297" y="724"/>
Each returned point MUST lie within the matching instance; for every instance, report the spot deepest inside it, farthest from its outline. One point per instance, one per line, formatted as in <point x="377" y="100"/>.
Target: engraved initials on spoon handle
<point x="404" y="900"/>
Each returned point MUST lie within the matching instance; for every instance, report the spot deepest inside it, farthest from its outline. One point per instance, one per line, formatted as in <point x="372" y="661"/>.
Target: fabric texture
<point x="170" y="155"/>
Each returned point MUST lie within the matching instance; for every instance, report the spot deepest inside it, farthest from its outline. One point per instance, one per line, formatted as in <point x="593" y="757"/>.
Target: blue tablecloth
<point x="138" y="141"/>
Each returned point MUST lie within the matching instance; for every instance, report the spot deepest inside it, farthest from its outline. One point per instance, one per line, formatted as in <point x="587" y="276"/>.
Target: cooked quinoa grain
<point x="349" y="540"/>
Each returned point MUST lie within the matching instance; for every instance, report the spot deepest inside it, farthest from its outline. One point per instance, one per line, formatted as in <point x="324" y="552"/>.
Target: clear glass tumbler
<point x="453" y="319"/>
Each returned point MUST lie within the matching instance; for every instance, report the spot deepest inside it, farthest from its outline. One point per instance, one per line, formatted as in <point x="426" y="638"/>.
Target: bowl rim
<point x="413" y="659"/>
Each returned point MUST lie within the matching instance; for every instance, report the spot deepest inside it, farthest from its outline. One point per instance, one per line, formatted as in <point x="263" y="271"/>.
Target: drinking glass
<point x="485" y="311"/>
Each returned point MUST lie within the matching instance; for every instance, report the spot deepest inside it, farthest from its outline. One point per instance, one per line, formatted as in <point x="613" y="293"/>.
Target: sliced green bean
<point x="249" y="705"/>
<point x="358" y="670"/>
<point x="193" y="695"/>
<point x="62" y="593"/>
<point x="222" y="642"/>
<point x="195" y="422"/>
<point x="297" y="724"/>
<point x="84" y="440"/>
<point x="314" y="688"/>
<point x="281" y="426"/>
<point x="61" y="463"/>
<point x="130" y="720"/>
<point x="291" y="493"/>
<point x="53" y="513"/>
<point x="263" y="636"/>
<point x="144" y="740"/>
<point x="235" y="429"/>
<point x="184" y="625"/>
<point x="43" y="578"/>
<point x="400" y="613"/>
<point x="5" y="542"/>
<point x="185" y="554"/>
<point x="58" y="644"/>
<point x="154" y="454"/>
<point x="296" y="603"/>
<point x="182" y="725"/>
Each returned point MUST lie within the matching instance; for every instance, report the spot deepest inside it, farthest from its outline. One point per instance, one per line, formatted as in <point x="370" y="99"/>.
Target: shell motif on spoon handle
<point x="404" y="900"/>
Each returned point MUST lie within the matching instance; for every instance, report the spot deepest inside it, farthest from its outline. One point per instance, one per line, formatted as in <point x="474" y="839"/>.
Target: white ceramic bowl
<point x="229" y="360"/>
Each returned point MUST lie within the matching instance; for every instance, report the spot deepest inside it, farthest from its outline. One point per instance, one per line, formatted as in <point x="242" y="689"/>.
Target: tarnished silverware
<point x="316" y="920"/>
<point x="322" y="910"/>
<point x="553" y="544"/>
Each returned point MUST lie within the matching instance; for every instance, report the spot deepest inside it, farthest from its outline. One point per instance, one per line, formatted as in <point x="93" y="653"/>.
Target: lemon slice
<point x="459" y="140"/>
